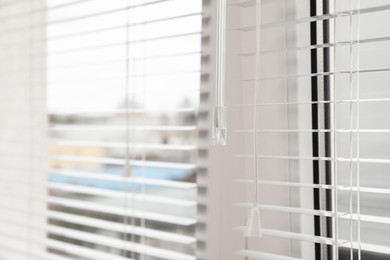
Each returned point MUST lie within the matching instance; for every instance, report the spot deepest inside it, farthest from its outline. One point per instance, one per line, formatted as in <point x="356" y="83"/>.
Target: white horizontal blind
<point x="368" y="104"/>
<point x="23" y="133"/>
<point x="123" y="83"/>
<point x="322" y="130"/>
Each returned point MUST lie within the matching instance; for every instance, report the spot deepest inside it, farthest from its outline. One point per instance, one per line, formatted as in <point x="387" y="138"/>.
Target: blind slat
<point x="316" y="18"/>
<point x="116" y="161"/>
<point x="119" y="194"/>
<point x="317" y="46"/>
<point x="119" y="211"/>
<point x="118" y="243"/>
<point x="123" y="145"/>
<point x="337" y="101"/>
<point x="292" y="235"/>
<point x="114" y="210"/>
<point x="319" y="74"/>
<point x="116" y="128"/>
<point x="109" y="177"/>
<point x="99" y="223"/>
<point x="286" y="209"/>
<point x="260" y="255"/>
<point x="338" y="159"/>
<point x="140" y="231"/>
<point x="317" y="186"/>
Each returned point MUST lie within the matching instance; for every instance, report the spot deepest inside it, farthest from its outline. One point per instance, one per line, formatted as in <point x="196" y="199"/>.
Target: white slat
<point x="295" y="210"/>
<point x="118" y="243"/>
<point x="97" y="223"/>
<point x="292" y="235"/>
<point x="263" y="256"/>
<point x="136" y="180"/>
<point x="117" y="161"/>
<point x="119" y="227"/>
<point x="121" y="195"/>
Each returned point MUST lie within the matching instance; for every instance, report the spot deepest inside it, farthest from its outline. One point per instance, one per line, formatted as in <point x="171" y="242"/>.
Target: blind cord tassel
<point x="253" y="225"/>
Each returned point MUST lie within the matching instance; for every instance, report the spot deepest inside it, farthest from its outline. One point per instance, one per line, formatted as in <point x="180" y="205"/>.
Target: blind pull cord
<point x="219" y="123"/>
<point x="253" y="226"/>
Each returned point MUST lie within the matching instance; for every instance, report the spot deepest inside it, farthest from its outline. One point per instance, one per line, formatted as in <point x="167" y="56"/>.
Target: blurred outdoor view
<point x="123" y="81"/>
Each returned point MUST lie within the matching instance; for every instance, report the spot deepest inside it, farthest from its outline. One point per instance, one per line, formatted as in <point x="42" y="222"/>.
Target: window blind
<point x="23" y="135"/>
<point x="322" y="124"/>
<point x="120" y="83"/>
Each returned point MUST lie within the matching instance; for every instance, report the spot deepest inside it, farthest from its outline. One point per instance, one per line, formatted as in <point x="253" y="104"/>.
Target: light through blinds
<point x="323" y="130"/>
<point x="122" y="80"/>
